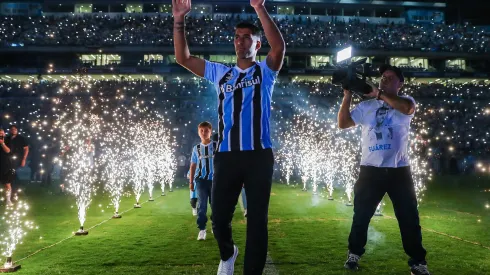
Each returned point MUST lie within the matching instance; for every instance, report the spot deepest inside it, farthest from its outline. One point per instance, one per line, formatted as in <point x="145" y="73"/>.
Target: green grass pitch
<point x="307" y="234"/>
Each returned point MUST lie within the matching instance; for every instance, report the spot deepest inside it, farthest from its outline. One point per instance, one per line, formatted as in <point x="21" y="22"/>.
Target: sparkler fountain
<point x="15" y="224"/>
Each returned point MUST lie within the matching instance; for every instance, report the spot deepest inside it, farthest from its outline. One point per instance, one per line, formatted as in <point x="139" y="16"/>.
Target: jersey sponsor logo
<point x="228" y="88"/>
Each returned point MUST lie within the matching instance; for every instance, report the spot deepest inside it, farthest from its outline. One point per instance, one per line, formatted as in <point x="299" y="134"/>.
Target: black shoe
<point x="352" y="262"/>
<point x="419" y="269"/>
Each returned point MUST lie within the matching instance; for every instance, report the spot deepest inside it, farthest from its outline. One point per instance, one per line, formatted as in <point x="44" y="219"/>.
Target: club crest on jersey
<point x="228" y="88"/>
<point x="229" y="76"/>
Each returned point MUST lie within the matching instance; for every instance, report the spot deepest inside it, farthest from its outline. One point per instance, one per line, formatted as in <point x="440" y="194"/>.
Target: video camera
<point x="351" y="78"/>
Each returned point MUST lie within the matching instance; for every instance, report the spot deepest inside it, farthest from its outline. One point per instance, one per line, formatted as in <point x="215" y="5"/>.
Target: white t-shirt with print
<point x="385" y="133"/>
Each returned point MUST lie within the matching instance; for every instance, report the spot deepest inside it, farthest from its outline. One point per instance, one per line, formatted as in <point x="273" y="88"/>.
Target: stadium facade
<point x="19" y="58"/>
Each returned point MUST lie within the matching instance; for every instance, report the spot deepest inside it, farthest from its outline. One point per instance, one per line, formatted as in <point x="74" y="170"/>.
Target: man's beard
<point x="246" y="55"/>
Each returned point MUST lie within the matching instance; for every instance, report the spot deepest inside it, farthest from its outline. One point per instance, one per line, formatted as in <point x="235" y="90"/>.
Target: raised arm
<point x="401" y="104"/>
<point x="180" y="8"/>
<point x="275" y="57"/>
<point x="4" y="146"/>
<point x="344" y="118"/>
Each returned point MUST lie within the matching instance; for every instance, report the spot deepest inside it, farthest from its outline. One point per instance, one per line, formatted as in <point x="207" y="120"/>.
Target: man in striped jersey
<point x="244" y="153"/>
<point x="201" y="172"/>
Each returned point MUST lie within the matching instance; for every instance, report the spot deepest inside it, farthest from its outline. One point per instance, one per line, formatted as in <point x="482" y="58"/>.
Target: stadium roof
<point x="370" y="2"/>
<point x="415" y="3"/>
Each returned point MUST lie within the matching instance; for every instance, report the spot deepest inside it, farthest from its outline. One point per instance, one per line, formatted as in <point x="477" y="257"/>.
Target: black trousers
<point x="253" y="169"/>
<point x="369" y="190"/>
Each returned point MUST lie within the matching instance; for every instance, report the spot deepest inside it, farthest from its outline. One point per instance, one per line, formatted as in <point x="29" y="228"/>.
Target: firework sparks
<point x="322" y="153"/>
<point x="16" y="226"/>
<point x="78" y="128"/>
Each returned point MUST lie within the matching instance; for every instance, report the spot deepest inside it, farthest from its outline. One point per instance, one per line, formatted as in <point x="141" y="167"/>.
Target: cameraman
<point x="385" y="123"/>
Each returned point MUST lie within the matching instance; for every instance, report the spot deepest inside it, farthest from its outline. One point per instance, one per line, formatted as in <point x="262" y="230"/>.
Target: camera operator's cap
<point x="394" y="69"/>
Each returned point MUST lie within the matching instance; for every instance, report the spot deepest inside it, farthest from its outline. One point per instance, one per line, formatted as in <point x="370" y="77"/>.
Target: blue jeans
<point x="204" y="195"/>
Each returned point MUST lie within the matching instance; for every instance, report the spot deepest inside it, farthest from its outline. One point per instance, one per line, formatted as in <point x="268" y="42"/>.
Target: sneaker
<point x="10" y="204"/>
<point x="419" y="269"/>
<point x="245" y="213"/>
<point x="194" y="212"/>
<point x="352" y="262"/>
<point x="202" y="235"/>
<point x="228" y="267"/>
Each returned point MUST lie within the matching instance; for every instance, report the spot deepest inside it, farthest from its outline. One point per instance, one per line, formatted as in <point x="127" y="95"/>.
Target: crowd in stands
<point x="409" y="68"/>
<point x="450" y="117"/>
<point x="156" y="30"/>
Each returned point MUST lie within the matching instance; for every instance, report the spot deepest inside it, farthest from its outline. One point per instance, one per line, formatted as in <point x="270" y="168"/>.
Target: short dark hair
<point x="256" y="31"/>
<point x="205" y="124"/>
<point x="13" y="126"/>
